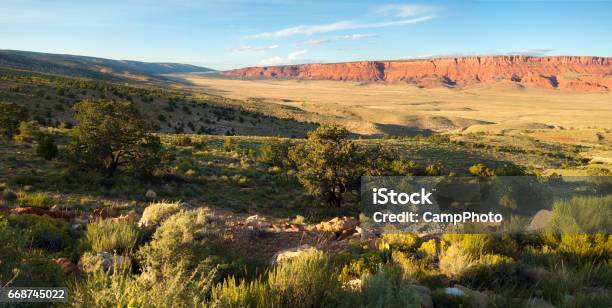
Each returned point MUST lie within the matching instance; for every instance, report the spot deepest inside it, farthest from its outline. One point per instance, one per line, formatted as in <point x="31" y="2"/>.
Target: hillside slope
<point x="91" y="67"/>
<point x="562" y="72"/>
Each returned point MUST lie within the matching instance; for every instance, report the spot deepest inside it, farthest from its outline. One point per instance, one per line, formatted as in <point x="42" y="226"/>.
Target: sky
<point x="238" y="33"/>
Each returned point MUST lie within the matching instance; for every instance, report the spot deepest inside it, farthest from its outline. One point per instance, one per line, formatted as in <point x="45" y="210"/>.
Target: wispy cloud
<point x="407" y="10"/>
<point x="535" y="52"/>
<point x="348" y="37"/>
<point x="291" y="58"/>
<point x="251" y="48"/>
<point x="338" y="26"/>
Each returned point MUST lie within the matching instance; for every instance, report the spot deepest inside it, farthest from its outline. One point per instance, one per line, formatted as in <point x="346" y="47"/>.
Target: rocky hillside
<point x="561" y="72"/>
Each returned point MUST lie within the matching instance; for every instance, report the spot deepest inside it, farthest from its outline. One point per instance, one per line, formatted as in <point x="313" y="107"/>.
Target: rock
<point x="337" y="224"/>
<point x="76" y="228"/>
<point x="251" y="219"/>
<point x="344" y="234"/>
<point x="478" y="299"/>
<point x="186" y="206"/>
<point x="588" y="73"/>
<point x="150" y="194"/>
<point x="424" y="294"/>
<point x="39" y="211"/>
<point x="354" y="285"/>
<point x="290" y="253"/>
<point x="453" y="292"/>
<point x="104" y="212"/>
<point x="67" y="266"/>
<point x="541" y="220"/>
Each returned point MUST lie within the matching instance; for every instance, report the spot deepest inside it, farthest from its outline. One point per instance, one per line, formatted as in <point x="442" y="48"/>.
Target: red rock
<point x="104" y="212"/>
<point x="38" y="211"/>
<point x="67" y="266"/>
<point x="587" y="73"/>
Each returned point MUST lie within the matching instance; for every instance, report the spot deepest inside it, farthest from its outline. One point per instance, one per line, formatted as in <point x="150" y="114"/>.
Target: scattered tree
<point x="327" y="164"/>
<point x="11" y="115"/>
<point x="112" y="135"/>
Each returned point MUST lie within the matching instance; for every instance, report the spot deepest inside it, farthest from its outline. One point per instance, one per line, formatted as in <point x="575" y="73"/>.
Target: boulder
<point x="150" y="194"/>
<point x="337" y="224"/>
<point x="541" y="220"/>
<point x="287" y="254"/>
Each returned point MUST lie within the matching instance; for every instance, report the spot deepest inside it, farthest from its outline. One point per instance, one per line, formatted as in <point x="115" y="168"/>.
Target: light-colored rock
<point x="454" y="292"/>
<point x="541" y="220"/>
<point x="186" y="206"/>
<point x="151" y="194"/>
<point x="337" y="224"/>
<point x="353" y="285"/>
<point x="287" y="254"/>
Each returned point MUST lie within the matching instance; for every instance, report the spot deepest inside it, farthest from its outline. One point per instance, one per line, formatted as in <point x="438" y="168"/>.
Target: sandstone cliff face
<point x="562" y="72"/>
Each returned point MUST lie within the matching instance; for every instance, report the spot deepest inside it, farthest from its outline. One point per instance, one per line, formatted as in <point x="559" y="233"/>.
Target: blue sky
<point x="237" y="33"/>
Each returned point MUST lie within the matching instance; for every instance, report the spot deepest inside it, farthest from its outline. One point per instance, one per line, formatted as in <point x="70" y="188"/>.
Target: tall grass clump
<point x="41" y="200"/>
<point x="387" y="289"/>
<point x="583" y="214"/>
<point x="155" y="213"/>
<point x="119" y="237"/>
<point x="306" y="280"/>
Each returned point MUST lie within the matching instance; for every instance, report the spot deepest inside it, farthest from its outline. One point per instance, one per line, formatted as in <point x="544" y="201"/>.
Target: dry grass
<point x="361" y="106"/>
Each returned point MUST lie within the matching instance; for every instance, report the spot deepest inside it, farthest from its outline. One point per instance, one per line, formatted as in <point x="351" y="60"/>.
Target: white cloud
<point x="292" y="58"/>
<point x="250" y="48"/>
<point x="407" y="10"/>
<point x="338" y="26"/>
<point x="318" y="42"/>
<point x="272" y="61"/>
<point x="348" y="37"/>
<point x="358" y="36"/>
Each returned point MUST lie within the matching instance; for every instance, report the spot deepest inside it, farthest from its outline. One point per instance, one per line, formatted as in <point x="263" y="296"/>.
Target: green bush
<point x="35" y="199"/>
<point x="429" y="249"/>
<point x="155" y="213"/>
<point x="387" y="289"/>
<point x="22" y="265"/>
<point x="111" y="136"/>
<point x="306" y="280"/>
<point x="46" y="148"/>
<point x="29" y="131"/>
<point x="11" y="115"/>
<point x="43" y="231"/>
<point x="107" y="235"/>
<point x="583" y="214"/>
<point x="273" y="153"/>
<point x="480" y="170"/>
<point x="399" y="241"/>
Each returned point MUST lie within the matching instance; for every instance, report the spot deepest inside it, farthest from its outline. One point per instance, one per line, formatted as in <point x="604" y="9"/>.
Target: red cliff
<point x="563" y="72"/>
